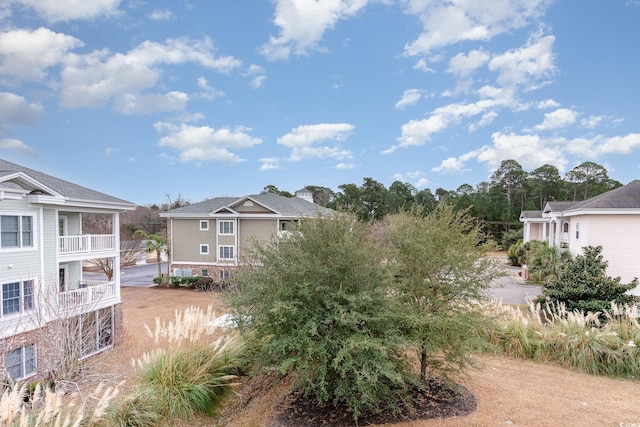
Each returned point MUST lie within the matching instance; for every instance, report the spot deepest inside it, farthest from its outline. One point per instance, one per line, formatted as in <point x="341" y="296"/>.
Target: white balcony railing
<point x="89" y="294"/>
<point x="86" y="243"/>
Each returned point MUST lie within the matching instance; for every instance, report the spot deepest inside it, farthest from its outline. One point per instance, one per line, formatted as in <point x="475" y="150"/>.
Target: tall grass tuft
<point x="595" y="343"/>
<point x="46" y="407"/>
<point x="190" y="372"/>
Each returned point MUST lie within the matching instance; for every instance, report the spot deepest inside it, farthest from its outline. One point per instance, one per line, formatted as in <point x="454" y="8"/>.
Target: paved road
<point x="510" y="289"/>
<point x="137" y="275"/>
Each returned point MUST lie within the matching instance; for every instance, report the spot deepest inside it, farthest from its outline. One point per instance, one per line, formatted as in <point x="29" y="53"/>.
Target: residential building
<point x="48" y="309"/>
<point x="211" y="238"/>
<point x="610" y="220"/>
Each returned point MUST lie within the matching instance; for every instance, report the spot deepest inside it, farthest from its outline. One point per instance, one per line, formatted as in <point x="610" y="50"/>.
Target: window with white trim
<point x="226" y="252"/>
<point x="17" y="297"/>
<point x="224" y="274"/>
<point x="16" y="231"/>
<point x="204" y="225"/>
<point x="204" y="249"/>
<point x="21" y="362"/>
<point x="225" y="227"/>
<point x="577" y="231"/>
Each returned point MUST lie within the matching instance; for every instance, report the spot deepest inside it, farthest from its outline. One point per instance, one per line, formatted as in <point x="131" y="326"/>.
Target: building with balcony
<point x="211" y="238"/>
<point x="48" y="309"/>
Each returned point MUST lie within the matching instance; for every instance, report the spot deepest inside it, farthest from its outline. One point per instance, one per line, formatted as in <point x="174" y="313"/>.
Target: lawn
<point x="508" y="392"/>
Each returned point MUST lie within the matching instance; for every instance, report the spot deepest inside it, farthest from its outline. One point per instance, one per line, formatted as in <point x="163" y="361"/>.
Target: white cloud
<point x="465" y="65"/>
<point x="345" y="166"/>
<point x="446" y="23"/>
<point x="161" y="15"/>
<point x="10" y="144"/>
<point x="15" y="109"/>
<point x="562" y="117"/>
<point x="304" y="141"/>
<point x="547" y="103"/>
<point x="68" y="10"/>
<point x="421" y="65"/>
<point x="450" y="165"/>
<point x="591" y="122"/>
<point x="99" y="78"/>
<point x="270" y="163"/>
<point x="418" y="132"/>
<point x="530" y="63"/>
<point x="203" y="143"/>
<point x="409" y="97"/>
<point x="26" y="54"/>
<point x="619" y="144"/>
<point x="303" y="22"/>
<point x="257" y="75"/>
<point x="209" y="92"/>
<point x="530" y="151"/>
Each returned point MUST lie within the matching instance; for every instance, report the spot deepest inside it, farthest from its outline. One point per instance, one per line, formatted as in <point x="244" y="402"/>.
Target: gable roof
<point x="279" y="205"/>
<point x="66" y="189"/>
<point x="625" y="197"/>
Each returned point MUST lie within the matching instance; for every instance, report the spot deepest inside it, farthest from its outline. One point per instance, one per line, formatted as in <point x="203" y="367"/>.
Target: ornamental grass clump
<point x="190" y="374"/>
<point x="46" y="407"/>
<point x="600" y="343"/>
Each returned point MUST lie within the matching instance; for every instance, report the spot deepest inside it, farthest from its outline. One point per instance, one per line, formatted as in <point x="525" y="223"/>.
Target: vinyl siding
<point x="261" y="229"/>
<point x="50" y="246"/>
<point x="24" y="262"/>
<point x="619" y="236"/>
<point x="187" y="238"/>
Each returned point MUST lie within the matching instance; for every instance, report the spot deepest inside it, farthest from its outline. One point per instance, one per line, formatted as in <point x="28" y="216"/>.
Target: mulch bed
<point x="438" y="399"/>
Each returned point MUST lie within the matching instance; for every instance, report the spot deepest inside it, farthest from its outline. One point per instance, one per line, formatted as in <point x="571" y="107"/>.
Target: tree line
<point x="510" y="190"/>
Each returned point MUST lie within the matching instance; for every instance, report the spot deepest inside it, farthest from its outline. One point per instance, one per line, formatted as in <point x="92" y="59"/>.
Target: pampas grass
<point x="596" y="343"/>
<point x="49" y="408"/>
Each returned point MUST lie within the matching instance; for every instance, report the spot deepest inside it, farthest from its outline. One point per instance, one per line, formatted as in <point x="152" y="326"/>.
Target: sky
<point x="146" y="99"/>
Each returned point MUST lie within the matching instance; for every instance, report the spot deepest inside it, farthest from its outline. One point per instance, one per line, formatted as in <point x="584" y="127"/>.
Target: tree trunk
<point x="423" y="364"/>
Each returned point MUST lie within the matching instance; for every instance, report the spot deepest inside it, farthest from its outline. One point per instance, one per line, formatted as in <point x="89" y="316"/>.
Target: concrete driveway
<point x="512" y="289"/>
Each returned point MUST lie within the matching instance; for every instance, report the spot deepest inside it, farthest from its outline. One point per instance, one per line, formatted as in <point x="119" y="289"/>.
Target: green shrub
<point x="136" y="410"/>
<point x="510" y="238"/>
<point x="582" y="284"/>
<point x="187" y="381"/>
<point x="544" y="262"/>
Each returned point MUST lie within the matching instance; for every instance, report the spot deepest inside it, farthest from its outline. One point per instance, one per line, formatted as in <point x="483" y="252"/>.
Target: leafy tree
<point x="583" y="284"/>
<point x="509" y="178"/>
<point x="426" y="199"/>
<point x="374" y="200"/>
<point x="317" y="300"/>
<point x="546" y="183"/>
<point x="401" y="196"/>
<point x="155" y="243"/>
<point x="321" y="195"/>
<point x="348" y="199"/>
<point x="589" y="179"/>
<point x="441" y="270"/>
<point x="273" y="189"/>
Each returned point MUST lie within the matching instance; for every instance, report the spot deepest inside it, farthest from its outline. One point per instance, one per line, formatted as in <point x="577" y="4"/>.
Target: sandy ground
<point x="509" y="392"/>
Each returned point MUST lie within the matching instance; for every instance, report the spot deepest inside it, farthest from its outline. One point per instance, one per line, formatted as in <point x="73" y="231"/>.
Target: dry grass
<point x="508" y="391"/>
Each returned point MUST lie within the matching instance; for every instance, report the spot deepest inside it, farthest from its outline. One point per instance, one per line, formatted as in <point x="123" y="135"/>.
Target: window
<point x="16" y="231"/>
<point x="578" y="231"/>
<point x="224" y="274"/>
<point x="204" y="273"/>
<point x="204" y="225"/>
<point x="286" y="224"/>
<point x="17" y="297"/>
<point x="226" y="252"/>
<point x="21" y="362"/>
<point x="204" y="249"/>
<point x="226" y="227"/>
<point x="94" y="331"/>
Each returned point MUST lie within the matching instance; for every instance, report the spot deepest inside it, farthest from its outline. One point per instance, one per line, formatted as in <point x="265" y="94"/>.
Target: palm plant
<point x="154" y="243"/>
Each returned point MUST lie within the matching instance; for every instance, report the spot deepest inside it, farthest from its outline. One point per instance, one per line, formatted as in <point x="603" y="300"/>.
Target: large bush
<point x="583" y="284"/>
<point x="319" y="301"/>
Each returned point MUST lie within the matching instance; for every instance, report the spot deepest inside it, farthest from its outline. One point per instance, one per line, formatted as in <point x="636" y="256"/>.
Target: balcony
<point x="86" y="244"/>
<point x="88" y="296"/>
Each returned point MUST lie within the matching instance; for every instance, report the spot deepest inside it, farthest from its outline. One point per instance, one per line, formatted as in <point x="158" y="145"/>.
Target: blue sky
<point x="141" y="99"/>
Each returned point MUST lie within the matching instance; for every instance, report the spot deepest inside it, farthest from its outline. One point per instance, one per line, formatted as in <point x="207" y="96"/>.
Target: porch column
<point x="116" y="260"/>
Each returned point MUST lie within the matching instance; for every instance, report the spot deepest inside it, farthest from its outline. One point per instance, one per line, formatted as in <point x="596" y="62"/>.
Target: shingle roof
<point x="286" y="206"/>
<point x="625" y="197"/>
<point x="65" y="188"/>
<point x="531" y="214"/>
